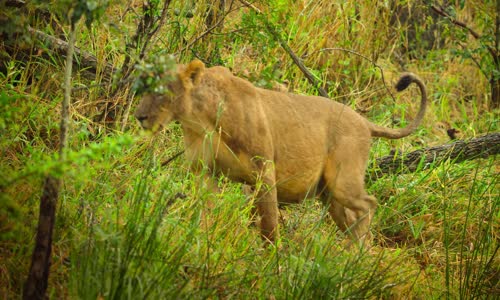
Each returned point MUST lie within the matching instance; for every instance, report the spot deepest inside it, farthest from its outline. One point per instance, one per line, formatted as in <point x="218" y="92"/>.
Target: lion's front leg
<point x="267" y="208"/>
<point x="209" y="183"/>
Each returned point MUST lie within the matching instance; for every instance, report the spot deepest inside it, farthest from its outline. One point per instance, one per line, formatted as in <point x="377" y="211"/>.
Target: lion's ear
<point x="193" y="71"/>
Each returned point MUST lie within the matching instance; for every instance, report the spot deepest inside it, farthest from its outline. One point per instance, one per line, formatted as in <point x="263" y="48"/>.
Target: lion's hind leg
<point x="339" y="213"/>
<point x="350" y="206"/>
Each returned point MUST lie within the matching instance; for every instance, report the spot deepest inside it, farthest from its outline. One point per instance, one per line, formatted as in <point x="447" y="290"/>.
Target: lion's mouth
<point x="157" y="128"/>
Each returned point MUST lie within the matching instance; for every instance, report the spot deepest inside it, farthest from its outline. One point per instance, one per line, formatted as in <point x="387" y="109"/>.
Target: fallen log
<point x="84" y="60"/>
<point x="458" y="151"/>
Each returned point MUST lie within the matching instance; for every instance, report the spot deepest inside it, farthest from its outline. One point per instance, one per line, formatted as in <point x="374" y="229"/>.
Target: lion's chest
<point x="211" y="151"/>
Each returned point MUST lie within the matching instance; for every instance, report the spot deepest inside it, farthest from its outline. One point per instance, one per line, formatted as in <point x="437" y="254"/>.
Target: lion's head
<point x="159" y="107"/>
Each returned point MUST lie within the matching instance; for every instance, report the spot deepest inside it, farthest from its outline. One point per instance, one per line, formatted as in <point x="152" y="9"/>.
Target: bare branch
<point x="368" y="59"/>
<point x="440" y="11"/>
<point x="144" y="28"/>
<point x="170" y="159"/>
<point x="206" y="32"/>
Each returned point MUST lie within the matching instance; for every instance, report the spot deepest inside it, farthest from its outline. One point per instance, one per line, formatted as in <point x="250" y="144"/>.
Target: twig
<point x="155" y="30"/>
<point x="206" y="32"/>
<point x="172" y="158"/>
<point x="145" y="27"/>
<point x="312" y="79"/>
<point x="368" y="59"/>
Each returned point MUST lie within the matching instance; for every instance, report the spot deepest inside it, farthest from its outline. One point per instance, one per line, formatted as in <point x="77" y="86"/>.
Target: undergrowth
<point x="128" y="227"/>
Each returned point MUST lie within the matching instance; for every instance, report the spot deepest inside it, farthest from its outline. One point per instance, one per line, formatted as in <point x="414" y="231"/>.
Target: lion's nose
<point x="141" y="118"/>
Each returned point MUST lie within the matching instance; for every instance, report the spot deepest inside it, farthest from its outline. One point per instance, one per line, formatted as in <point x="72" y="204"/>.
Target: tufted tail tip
<point x="404" y="81"/>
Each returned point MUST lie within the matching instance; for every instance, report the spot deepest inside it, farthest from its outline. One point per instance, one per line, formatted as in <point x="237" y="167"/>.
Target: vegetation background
<point x="128" y="227"/>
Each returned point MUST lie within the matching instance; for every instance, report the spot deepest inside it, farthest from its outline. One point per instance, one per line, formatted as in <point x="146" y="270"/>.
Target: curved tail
<point x="405" y="80"/>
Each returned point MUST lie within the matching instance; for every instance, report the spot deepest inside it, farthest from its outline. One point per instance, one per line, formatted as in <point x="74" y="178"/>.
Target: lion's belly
<point x="294" y="195"/>
<point x="293" y="186"/>
<point x="297" y="173"/>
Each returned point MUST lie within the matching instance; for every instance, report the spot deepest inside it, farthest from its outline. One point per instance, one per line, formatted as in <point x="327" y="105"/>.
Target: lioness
<point x="291" y="146"/>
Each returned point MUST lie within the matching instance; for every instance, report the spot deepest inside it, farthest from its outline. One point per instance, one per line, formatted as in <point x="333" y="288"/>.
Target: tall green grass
<point x="151" y="245"/>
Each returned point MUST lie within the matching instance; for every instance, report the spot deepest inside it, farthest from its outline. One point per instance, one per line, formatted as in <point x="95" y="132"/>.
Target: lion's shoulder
<point x="223" y="80"/>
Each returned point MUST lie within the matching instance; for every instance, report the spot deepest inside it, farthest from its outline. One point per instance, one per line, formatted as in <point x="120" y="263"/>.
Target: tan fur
<point x="288" y="146"/>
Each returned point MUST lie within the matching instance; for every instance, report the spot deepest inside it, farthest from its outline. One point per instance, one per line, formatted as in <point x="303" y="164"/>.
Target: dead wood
<point x="456" y="152"/>
<point x="84" y="60"/>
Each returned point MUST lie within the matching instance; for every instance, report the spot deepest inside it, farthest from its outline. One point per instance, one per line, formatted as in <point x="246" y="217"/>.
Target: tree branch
<point x="145" y="29"/>
<point x="208" y="31"/>
<point x="476" y="35"/>
<point x="310" y="76"/>
<point x="368" y="59"/>
<point x="144" y="33"/>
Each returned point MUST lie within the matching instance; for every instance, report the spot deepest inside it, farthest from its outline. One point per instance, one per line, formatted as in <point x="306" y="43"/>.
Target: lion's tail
<point x="405" y="80"/>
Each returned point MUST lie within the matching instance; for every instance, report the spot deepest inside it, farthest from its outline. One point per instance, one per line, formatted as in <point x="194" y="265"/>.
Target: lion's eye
<point x="139" y="91"/>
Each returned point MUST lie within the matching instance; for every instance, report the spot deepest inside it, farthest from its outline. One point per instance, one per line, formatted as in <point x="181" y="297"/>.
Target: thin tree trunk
<point x="495" y="82"/>
<point x="36" y="285"/>
<point x="495" y="92"/>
